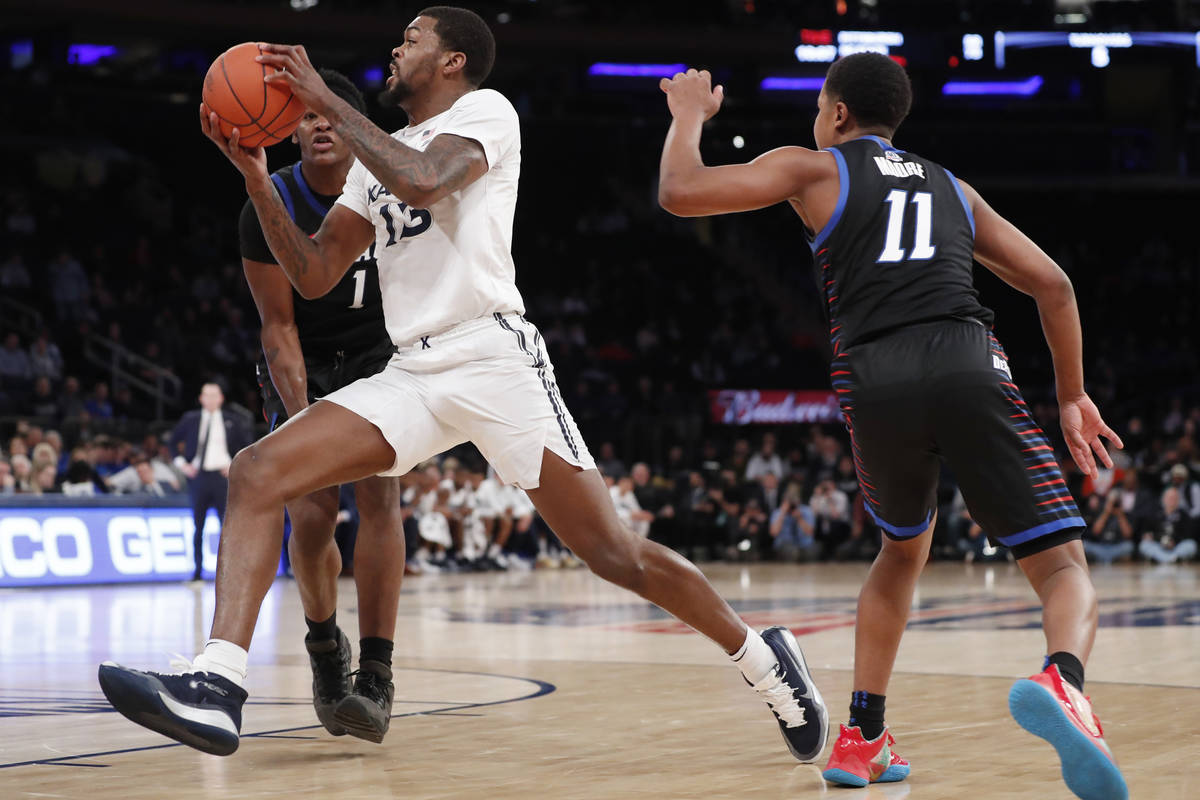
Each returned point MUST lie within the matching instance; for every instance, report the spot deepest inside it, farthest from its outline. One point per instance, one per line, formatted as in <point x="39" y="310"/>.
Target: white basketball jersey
<point x="452" y="262"/>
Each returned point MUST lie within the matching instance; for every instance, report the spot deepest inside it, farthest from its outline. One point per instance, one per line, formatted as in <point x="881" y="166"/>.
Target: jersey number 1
<point x="360" y="287"/>
<point x="923" y="249"/>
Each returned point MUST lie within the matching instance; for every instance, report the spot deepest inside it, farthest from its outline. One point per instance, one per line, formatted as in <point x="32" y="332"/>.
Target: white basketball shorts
<point x="488" y="381"/>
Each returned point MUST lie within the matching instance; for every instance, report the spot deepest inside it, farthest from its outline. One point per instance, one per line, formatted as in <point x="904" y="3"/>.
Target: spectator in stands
<point x="8" y="484"/>
<point x="99" y="405"/>
<point x="44" y="480"/>
<point x="768" y="492"/>
<point x="45" y="358"/>
<point x="70" y="402"/>
<point x="1189" y="490"/>
<point x="846" y="478"/>
<point x="43" y="404"/>
<point x="144" y="475"/>
<point x="1110" y="536"/>
<point x="608" y="463"/>
<point x="629" y="510"/>
<point x="22" y="471"/>
<point x="792" y="529"/>
<point x="69" y="287"/>
<point x="753" y="527"/>
<point x="968" y="536"/>
<point x="14" y="275"/>
<point x="1171" y="538"/>
<point x="765" y="460"/>
<point x="739" y="459"/>
<point x="140" y="478"/>
<point x="831" y="508"/>
<point x="652" y="497"/>
<point x="14" y="362"/>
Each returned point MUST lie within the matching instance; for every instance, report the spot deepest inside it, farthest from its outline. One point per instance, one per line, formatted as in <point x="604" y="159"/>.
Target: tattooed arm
<point x="280" y="337"/>
<point x="415" y="177"/>
<point x="313" y="265"/>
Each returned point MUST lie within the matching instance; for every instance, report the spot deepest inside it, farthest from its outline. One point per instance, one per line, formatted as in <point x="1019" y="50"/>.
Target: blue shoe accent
<point x="1087" y="770"/>
<point x="840" y="776"/>
<point x="806" y="741"/>
<point x="894" y="772"/>
<point x="199" y="709"/>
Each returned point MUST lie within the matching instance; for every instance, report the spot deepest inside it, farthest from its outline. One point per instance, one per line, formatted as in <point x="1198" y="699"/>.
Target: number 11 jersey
<point x="898" y="249"/>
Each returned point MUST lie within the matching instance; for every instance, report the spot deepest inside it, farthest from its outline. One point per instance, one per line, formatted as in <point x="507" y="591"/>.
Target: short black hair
<point x="344" y="88"/>
<point x="874" y="87"/>
<point x="464" y="31"/>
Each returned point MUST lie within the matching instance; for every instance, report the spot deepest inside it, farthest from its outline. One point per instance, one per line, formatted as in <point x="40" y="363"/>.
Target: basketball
<point x="234" y="89"/>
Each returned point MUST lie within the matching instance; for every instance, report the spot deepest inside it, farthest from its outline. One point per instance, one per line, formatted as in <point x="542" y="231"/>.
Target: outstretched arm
<point x="688" y="188"/>
<point x="419" y="178"/>
<point x="1020" y="263"/>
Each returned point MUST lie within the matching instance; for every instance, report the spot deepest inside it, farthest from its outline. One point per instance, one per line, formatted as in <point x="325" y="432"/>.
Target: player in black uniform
<point x="921" y="377"/>
<point x="311" y="348"/>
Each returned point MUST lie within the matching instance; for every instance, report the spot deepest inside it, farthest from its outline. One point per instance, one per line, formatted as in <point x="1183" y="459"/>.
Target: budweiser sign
<point x="772" y="406"/>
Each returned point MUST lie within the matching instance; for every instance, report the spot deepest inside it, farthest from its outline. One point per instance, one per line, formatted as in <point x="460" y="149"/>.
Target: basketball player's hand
<point x="1082" y="427"/>
<point x="297" y="73"/>
<point x="692" y="94"/>
<point x="250" y="161"/>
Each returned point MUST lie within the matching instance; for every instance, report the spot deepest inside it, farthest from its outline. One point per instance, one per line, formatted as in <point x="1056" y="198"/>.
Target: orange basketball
<point x="234" y="89"/>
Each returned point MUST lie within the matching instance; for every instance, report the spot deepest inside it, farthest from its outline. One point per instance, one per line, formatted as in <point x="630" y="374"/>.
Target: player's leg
<point x="316" y="564"/>
<point x="510" y="406"/>
<point x="366" y="711"/>
<point x="892" y="447"/>
<point x="202" y="708"/>
<point x="1015" y="490"/>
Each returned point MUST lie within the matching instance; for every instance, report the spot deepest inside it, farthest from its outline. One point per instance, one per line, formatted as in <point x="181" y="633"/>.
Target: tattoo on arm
<point x="293" y="249"/>
<point x="407" y="173"/>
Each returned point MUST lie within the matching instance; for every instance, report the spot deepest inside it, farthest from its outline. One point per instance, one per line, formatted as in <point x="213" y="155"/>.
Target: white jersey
<point x="452" y="262"/>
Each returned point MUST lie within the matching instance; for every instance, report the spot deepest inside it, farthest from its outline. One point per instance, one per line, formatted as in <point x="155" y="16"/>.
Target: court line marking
<point x="542" y="688"/>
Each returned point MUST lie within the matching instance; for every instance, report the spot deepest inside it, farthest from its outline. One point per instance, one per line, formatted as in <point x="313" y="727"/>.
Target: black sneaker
<point x="330" y="662"/>
<point x="793" y="697"/>
<point x="199" y="709"/>
<point x="367" y="712"/>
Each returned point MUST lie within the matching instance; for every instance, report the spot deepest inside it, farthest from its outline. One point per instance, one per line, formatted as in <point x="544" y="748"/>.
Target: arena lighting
<point x="816" y="48"/>
<point x="1098" y="43"/>
<point x="373" y="75"/>
<point x="1025" y="88"/>
<point x="782" y="84"/>
<point x="635" y="70"/>
<point x="20" y="53"/>
<point x="85" y="54"/>
<point x="972" y="47"/>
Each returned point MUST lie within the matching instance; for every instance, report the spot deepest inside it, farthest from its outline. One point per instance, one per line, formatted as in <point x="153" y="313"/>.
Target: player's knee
<point x="623" y="566"/>
<point x="249" y="473"/>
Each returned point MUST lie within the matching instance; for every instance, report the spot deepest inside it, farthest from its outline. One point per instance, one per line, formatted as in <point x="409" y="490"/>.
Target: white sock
<point x="754" y="658"/>
<point x="222" y="658"/>
<point x="494" y="550"/>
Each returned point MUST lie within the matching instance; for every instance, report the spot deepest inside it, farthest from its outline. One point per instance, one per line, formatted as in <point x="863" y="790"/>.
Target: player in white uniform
<point x="437" y="198"/>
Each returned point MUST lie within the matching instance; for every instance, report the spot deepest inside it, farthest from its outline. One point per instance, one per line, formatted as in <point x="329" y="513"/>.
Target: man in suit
<point x="205" y="441"/>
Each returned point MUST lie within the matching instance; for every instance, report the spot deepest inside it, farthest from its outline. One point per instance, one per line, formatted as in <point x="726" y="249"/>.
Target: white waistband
<point x="458" y="331"/>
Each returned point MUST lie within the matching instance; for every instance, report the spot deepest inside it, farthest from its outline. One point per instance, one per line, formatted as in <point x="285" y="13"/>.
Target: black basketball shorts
<point x="324" y="377"/>
<point x="943" y="390"/>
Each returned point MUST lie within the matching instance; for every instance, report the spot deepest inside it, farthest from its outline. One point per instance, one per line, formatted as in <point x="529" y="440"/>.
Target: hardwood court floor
<point x="556" y="685"/>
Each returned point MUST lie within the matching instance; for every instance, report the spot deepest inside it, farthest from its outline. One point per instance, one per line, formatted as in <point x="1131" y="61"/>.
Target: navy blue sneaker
<point x="330" y="662"/>
<point x="793" y="697"/>
<point x="199" y="709"/>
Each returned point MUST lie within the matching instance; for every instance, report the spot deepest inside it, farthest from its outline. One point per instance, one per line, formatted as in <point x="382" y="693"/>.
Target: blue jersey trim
<point x="843" y="193"/>
<point x="879" y="140"/>
<point x="306" y="193"/>
<point x="962" y="197"/>
<point x="1041" y="530"/>
<point x="285" y="195"/>
<point x="899" y="531"/>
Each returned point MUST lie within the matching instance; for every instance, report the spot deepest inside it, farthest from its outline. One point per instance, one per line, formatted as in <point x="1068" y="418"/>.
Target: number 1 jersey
<point x="898" y="249"/>
<point x="349" y="319"/>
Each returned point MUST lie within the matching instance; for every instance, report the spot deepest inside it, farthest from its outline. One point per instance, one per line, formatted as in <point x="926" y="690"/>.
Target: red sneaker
<point x="855" y="761"/>
<point x="1048" y="706"/>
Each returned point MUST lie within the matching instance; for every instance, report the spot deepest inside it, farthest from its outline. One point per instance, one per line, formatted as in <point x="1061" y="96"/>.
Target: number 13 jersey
<point x="898" y="249"/>
<point x="451" y="262"/>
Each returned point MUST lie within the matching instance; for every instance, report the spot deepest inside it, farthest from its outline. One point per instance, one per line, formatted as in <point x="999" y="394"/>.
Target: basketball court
<point x="554" y="684"/>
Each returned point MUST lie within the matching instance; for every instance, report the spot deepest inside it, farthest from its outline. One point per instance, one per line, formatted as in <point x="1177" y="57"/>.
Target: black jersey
<point x="350" y="317"/>
<point x="898" y="249"/>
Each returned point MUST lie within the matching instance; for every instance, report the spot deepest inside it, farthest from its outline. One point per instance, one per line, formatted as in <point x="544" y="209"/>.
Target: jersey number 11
<point x="922" y="249"/>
